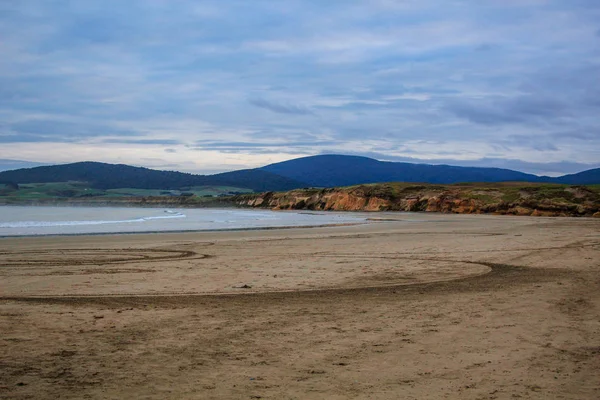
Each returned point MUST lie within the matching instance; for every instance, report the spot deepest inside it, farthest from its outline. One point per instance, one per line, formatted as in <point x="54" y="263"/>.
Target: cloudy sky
<point x="209" y="86"/>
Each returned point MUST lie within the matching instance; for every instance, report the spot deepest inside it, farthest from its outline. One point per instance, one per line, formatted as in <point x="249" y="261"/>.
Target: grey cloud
<point x="217" y="144"/>
<point x="495" y="74"/>
<point x="158" y="163"/>
<point x="60" y="131"/>
<point x="484" y="47"/>
<point x="213" y="145"/>
<point x="498" y="111"/>
<point x="6" y="165"/>
<point x="280" y="108"/>
<point x="544" y="146"/>
<point x="143" y="141"/>
<point x="577" y="86"/>
<point x="529" y="141"/>
<point x="592" y="97"/>
<point x="96" y="30"/>
<point x="24" y="138"/>
<point x="284" y="132"/>
<point x="237" y="150"/>
<point x="296" y="147"/>
<point x="583" y="134"/>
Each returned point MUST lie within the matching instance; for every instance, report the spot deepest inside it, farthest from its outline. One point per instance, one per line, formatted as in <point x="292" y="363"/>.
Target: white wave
<point x="176" y="215"/>
<point x="40" y="224"/>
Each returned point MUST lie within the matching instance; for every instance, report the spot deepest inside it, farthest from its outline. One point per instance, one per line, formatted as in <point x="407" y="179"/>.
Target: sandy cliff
<point x="515" y="199"/>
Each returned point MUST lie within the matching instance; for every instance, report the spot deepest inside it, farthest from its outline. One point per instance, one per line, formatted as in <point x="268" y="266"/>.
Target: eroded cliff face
<point x="535" y="200"/>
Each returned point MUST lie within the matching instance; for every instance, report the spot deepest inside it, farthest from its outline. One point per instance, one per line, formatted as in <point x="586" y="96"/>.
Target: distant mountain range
<point x="340" y="170"/>
<point x="314" y="171"/>
<point x="589" y="177"/>
<point x="114" y="176"/>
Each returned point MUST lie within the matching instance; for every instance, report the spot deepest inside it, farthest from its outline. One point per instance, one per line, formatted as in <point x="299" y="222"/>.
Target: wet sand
<point x="434" y="306"/>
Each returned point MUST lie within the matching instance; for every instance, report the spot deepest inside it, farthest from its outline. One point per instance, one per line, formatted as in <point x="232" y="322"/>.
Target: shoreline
<point x="367" y="221"/>
<point x="226" y="206"/>
<point x="266" y="228"/>
<point x="96" y="221"/>
<point x="364" y="217"/>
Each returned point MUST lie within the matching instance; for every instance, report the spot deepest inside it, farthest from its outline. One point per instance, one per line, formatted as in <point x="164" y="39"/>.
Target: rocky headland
<point x="494" y="198"/>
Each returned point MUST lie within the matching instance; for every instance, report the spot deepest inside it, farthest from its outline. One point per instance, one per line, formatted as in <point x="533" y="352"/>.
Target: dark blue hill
<point x="589" y="177"/>
<point x="113" y="176"/>
<point x="317" y="171"/>
<point x="340" y="170"/>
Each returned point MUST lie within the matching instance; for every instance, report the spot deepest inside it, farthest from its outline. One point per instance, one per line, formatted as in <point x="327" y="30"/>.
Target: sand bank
<point x="439" y="306"/>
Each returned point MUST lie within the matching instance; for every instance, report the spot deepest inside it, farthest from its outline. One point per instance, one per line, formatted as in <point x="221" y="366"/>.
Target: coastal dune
<point x="440" y="306"/>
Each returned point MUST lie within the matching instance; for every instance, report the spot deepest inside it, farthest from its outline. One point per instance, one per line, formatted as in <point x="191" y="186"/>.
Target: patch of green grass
<point x="594" y="188"/>
<point x="36" y="191"/>
<point x="511" y="194"/>
<point x="130" y="192"/>
<point x="215" y="190"/>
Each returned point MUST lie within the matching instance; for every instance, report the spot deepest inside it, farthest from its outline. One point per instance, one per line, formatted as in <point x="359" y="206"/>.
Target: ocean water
<point x="26" y="221"/>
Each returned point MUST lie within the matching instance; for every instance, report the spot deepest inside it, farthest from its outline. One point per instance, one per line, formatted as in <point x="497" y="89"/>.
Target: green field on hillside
<point x="36" y="191"/>
<point x="81" y="190"/>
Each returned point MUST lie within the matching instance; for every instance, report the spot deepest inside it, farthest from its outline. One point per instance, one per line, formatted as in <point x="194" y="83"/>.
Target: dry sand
<point x="435" y="306"/>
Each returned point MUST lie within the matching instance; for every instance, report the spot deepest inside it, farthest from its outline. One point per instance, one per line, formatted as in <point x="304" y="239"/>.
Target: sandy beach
<point x="434" y="307"/>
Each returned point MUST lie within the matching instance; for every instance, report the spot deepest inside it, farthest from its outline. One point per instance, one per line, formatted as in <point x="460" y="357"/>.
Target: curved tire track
<point x="79" y="257"/>
<point x="498" y="276"/>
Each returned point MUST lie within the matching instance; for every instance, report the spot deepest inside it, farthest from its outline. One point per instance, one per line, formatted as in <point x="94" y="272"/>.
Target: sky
<point x="212" y="86"/>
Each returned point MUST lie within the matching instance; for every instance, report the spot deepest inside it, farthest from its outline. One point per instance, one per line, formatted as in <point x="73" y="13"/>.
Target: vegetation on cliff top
<point x="498" y="198"/>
